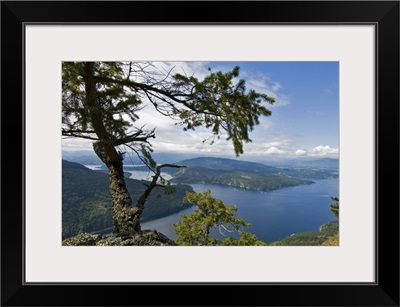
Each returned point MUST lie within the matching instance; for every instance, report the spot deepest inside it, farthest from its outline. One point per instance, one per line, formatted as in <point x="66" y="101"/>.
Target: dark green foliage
<point x="310" y="238"/>
<point x="113" y="99"/>
<point x="220" y="104"/>
<point x="86" y="201"/>
<point x="194" y="229"/>
<point x="335" y="207"/>
<point x="245" y="239"/>
<point x="330" y="228"/>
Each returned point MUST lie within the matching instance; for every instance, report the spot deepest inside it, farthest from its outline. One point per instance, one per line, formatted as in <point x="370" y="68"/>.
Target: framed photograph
<point x="300" y="101"/>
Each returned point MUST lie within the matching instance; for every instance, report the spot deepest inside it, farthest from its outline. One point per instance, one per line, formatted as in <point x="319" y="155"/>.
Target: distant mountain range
<point x="236" y="172"/>
<point x="331" y="164"/>
<point x="304" y="162"/>
<point x="238" y="165"/>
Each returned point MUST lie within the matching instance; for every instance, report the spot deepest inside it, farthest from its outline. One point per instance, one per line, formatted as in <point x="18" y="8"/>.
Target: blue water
<point x="273" y="215"/>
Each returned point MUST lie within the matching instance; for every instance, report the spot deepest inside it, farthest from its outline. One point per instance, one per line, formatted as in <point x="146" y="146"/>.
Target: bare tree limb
<point x="153" y="184"/>
<point x="79" y="136"/>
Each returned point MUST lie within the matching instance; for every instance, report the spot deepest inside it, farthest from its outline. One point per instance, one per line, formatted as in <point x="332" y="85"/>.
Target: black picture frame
<point x="383" y="14"/>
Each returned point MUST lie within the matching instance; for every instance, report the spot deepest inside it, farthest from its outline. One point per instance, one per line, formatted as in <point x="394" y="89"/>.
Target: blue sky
<point x="304" y="120"/>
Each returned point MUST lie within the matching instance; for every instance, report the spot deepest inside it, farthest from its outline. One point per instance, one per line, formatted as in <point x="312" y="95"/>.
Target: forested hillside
<point x="243" y="174"/>
<point x="327" y="236"/>
<point x="86" y="202"/>
<point x="238" y="165"/>
<point x="242" y="179"/>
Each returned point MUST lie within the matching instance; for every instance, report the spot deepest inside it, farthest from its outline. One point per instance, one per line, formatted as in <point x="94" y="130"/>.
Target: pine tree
<point x="101" y="101"/>
<point x="335" y="207"/>
<point x="194" y="229"/>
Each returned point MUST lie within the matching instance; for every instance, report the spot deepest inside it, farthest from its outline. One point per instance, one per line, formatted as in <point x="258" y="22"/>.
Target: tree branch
<point x="149" y="90"/>
<point x="79" y="131"/>
<point x="153" y="184"/>
<point x="135" y="138"/>
<point x="139" y="156"/>
<point x="79" y="136"/>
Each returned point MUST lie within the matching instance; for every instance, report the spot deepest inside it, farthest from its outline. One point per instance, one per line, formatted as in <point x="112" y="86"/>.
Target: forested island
<point x="241" y="179"/>
<point x="320" y="171"/>
<point x="243" y="174"/>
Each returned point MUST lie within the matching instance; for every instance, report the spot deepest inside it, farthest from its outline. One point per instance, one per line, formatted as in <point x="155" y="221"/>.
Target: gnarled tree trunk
<point x="126" y="220"/>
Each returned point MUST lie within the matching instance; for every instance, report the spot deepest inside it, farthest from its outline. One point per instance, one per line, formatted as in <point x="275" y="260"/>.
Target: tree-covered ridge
<point x="86" y="201"/>
<point x="242" y="179"/>
<point x="244" y="174"/>
<point x="237" y="165"/>
<point x="228" y="164"/>
<point x="326" y="236"/>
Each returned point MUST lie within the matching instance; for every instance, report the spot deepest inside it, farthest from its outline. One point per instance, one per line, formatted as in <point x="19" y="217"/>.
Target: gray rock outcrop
<point x="142" y="238"/>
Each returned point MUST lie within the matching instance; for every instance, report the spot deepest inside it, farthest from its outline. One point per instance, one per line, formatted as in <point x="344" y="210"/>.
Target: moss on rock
<point x="142" y="238"/>
<point x="83" y="239"/>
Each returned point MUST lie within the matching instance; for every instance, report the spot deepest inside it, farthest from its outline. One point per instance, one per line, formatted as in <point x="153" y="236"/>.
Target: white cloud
<point x="75" y="144"/>
<point x="274" y="151"/>
<point x="196" y="69"/>
<point x="319" y="151"/>
<point x="301" y="152"/>
<point x="262" y="83"/>
<point x="190" y="142"/>
<point x="276" y="86"/>
<point x="265" y="123"/>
